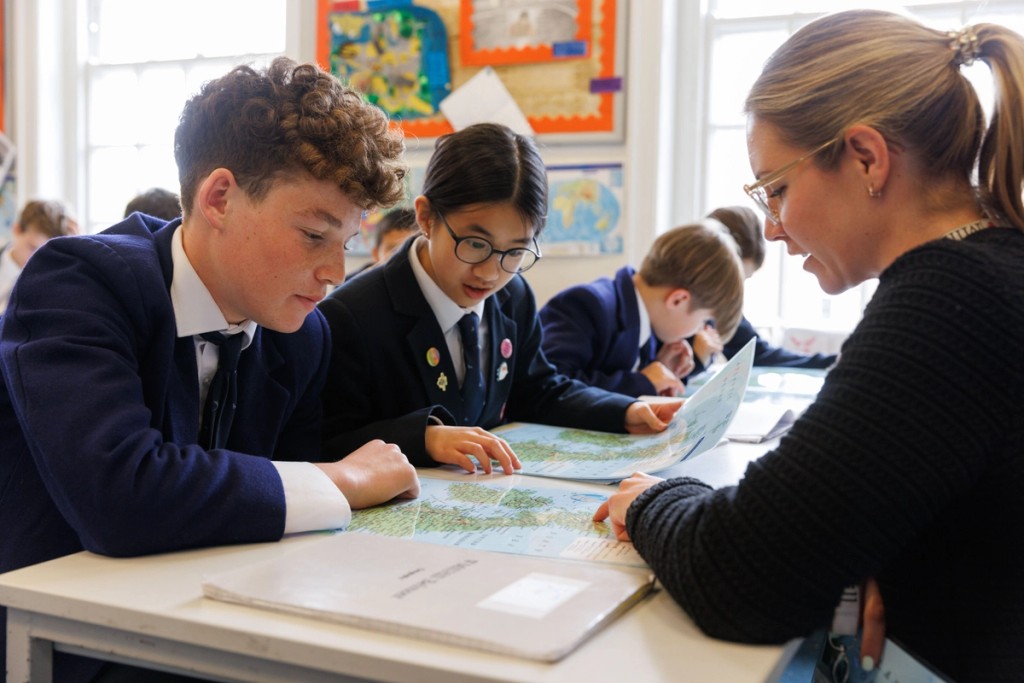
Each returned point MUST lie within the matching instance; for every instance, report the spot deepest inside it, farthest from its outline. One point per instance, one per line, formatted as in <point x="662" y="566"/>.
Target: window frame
<point x="770" y="292"/>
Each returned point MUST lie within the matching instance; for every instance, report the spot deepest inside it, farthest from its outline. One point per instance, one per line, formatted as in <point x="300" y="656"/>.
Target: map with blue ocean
<point x="502" y="515"/>
<point x="549" y="451"/>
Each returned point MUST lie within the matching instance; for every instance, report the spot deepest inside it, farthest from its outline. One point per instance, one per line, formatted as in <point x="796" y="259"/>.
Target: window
<point x="741" y="35"/>
<point x="144" y="61"/>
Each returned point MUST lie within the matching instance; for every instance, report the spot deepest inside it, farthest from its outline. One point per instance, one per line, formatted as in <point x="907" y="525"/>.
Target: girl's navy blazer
<point x="391" y="369"/>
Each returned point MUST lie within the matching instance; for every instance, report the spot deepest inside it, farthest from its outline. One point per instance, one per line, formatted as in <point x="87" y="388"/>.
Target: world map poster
<point x="584" y="211"/>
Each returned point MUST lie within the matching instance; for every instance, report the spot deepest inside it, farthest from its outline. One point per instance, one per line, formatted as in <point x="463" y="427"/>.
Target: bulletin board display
<point x="519" y="32"/>
<point x="8" y="190"/>
<point x="3" y="65"/>
<point x="407" y="56"/>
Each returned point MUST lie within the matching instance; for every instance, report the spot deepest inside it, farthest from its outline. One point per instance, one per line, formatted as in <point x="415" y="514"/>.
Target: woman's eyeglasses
<point x="759" y="190"/>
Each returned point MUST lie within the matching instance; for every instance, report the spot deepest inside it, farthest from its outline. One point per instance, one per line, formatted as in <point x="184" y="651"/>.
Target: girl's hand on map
<point x="460" y="445"/>
<point x="649" y="418"/>
<point x="614" y="509"/>
<point x="664" y="381"/>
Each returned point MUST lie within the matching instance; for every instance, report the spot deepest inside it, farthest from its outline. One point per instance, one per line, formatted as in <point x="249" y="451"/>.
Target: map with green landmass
<point x="502" y="517"/>
<point x="586" y="207"/>
<point x="549" y="451"/>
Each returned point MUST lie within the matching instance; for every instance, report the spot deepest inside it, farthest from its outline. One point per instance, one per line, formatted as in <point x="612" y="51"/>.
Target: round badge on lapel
<point x="433" y="357"/>
<point x="506" y="348"/>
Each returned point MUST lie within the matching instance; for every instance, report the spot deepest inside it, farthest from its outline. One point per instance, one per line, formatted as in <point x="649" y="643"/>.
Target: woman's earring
<point x="873" y="193"/>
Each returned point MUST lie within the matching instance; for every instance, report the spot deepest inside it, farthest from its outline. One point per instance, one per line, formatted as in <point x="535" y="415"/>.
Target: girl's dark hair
<point x="488" y="163"/>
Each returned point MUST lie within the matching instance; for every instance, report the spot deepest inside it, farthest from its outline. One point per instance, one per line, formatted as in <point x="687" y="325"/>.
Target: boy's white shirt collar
<point x="447" y="312"/>
<point x="195" y="311"/>
<point x="645" y="319"/>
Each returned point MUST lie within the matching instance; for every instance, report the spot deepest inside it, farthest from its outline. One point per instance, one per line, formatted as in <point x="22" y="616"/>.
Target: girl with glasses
<point x="874" y="160"/>
<point x="442" y="342"/>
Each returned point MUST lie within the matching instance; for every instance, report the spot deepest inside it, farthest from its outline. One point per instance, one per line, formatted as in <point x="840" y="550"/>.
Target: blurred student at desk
<point x="745" y="228"/>
<point x="906" y="472"/>
<point x="392" y="230"/>
<point x="156" y="202"/>
<point x="628" y="333"/>
<point x="38" y="222"/>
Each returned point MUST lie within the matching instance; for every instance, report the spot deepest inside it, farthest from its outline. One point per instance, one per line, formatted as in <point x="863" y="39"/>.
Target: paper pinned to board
<point x="484" y="99"/>
<point x="7" y="153"/>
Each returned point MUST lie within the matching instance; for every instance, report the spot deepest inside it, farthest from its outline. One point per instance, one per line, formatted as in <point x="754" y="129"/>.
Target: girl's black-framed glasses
<point x="474" y="250"/>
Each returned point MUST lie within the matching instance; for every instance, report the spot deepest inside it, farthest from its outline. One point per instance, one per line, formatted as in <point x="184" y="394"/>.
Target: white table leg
<point x="29" y="660"/>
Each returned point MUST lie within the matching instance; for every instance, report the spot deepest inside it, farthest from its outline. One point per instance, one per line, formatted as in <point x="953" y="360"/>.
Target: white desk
<point x="150" y="611"/>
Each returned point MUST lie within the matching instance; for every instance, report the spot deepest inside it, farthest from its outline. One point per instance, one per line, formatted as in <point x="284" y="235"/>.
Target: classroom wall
<point x="650" y="121"/>
<point x="43" y="98"/>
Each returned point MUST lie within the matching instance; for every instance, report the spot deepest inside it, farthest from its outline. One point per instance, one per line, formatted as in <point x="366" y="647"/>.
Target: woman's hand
<point x="614" y="509"/>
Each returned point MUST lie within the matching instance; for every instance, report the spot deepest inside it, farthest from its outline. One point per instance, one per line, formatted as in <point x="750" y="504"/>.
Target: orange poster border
<point x="3" y="65"/>
<point x="425" y="129"/>
<point x="603" y="121"/>
<point x="523" y="55"/>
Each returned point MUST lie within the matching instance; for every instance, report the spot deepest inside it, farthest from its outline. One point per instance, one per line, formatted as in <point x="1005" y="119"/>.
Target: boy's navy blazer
<point x="391" y="369"/>
<point x="592" y="333"/>
<point x="99" y="410"/>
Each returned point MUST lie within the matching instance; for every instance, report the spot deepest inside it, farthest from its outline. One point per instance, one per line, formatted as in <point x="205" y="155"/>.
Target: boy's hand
<point x="373" y="474"/>
<point x="459" y="445"/>
<point x="706" y="344"/>
<point x="665" y="382"/>
<point x="677" y="357"/>
<point x="649" y="418"/>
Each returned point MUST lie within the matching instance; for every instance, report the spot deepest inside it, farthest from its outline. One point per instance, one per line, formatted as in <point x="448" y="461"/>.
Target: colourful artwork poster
<point x="8" y="209"/>
<point x="396" y="55"/>
<point x="584" y="211"/>
<point x="520" y="31"/>
<point x="3" y="61"/>
<point x="8" y="189"/>
<point x="566" y="86"/>
<point x="8" y="195"/>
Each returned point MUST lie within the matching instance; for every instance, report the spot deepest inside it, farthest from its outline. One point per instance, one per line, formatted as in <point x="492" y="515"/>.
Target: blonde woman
<point x="866" y="139"/>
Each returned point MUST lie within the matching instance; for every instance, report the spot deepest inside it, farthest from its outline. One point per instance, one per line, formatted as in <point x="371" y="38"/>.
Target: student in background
<point x="745" y="228"/>
<point x="442" y="341"/>
<point x="116" y="439"/>
<point x="909" y="466"/>
<point x="394" y="228"/>
<point x="38" y="222"/>
<point x="156" y="202"/>
<point x="628" y="333"/>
